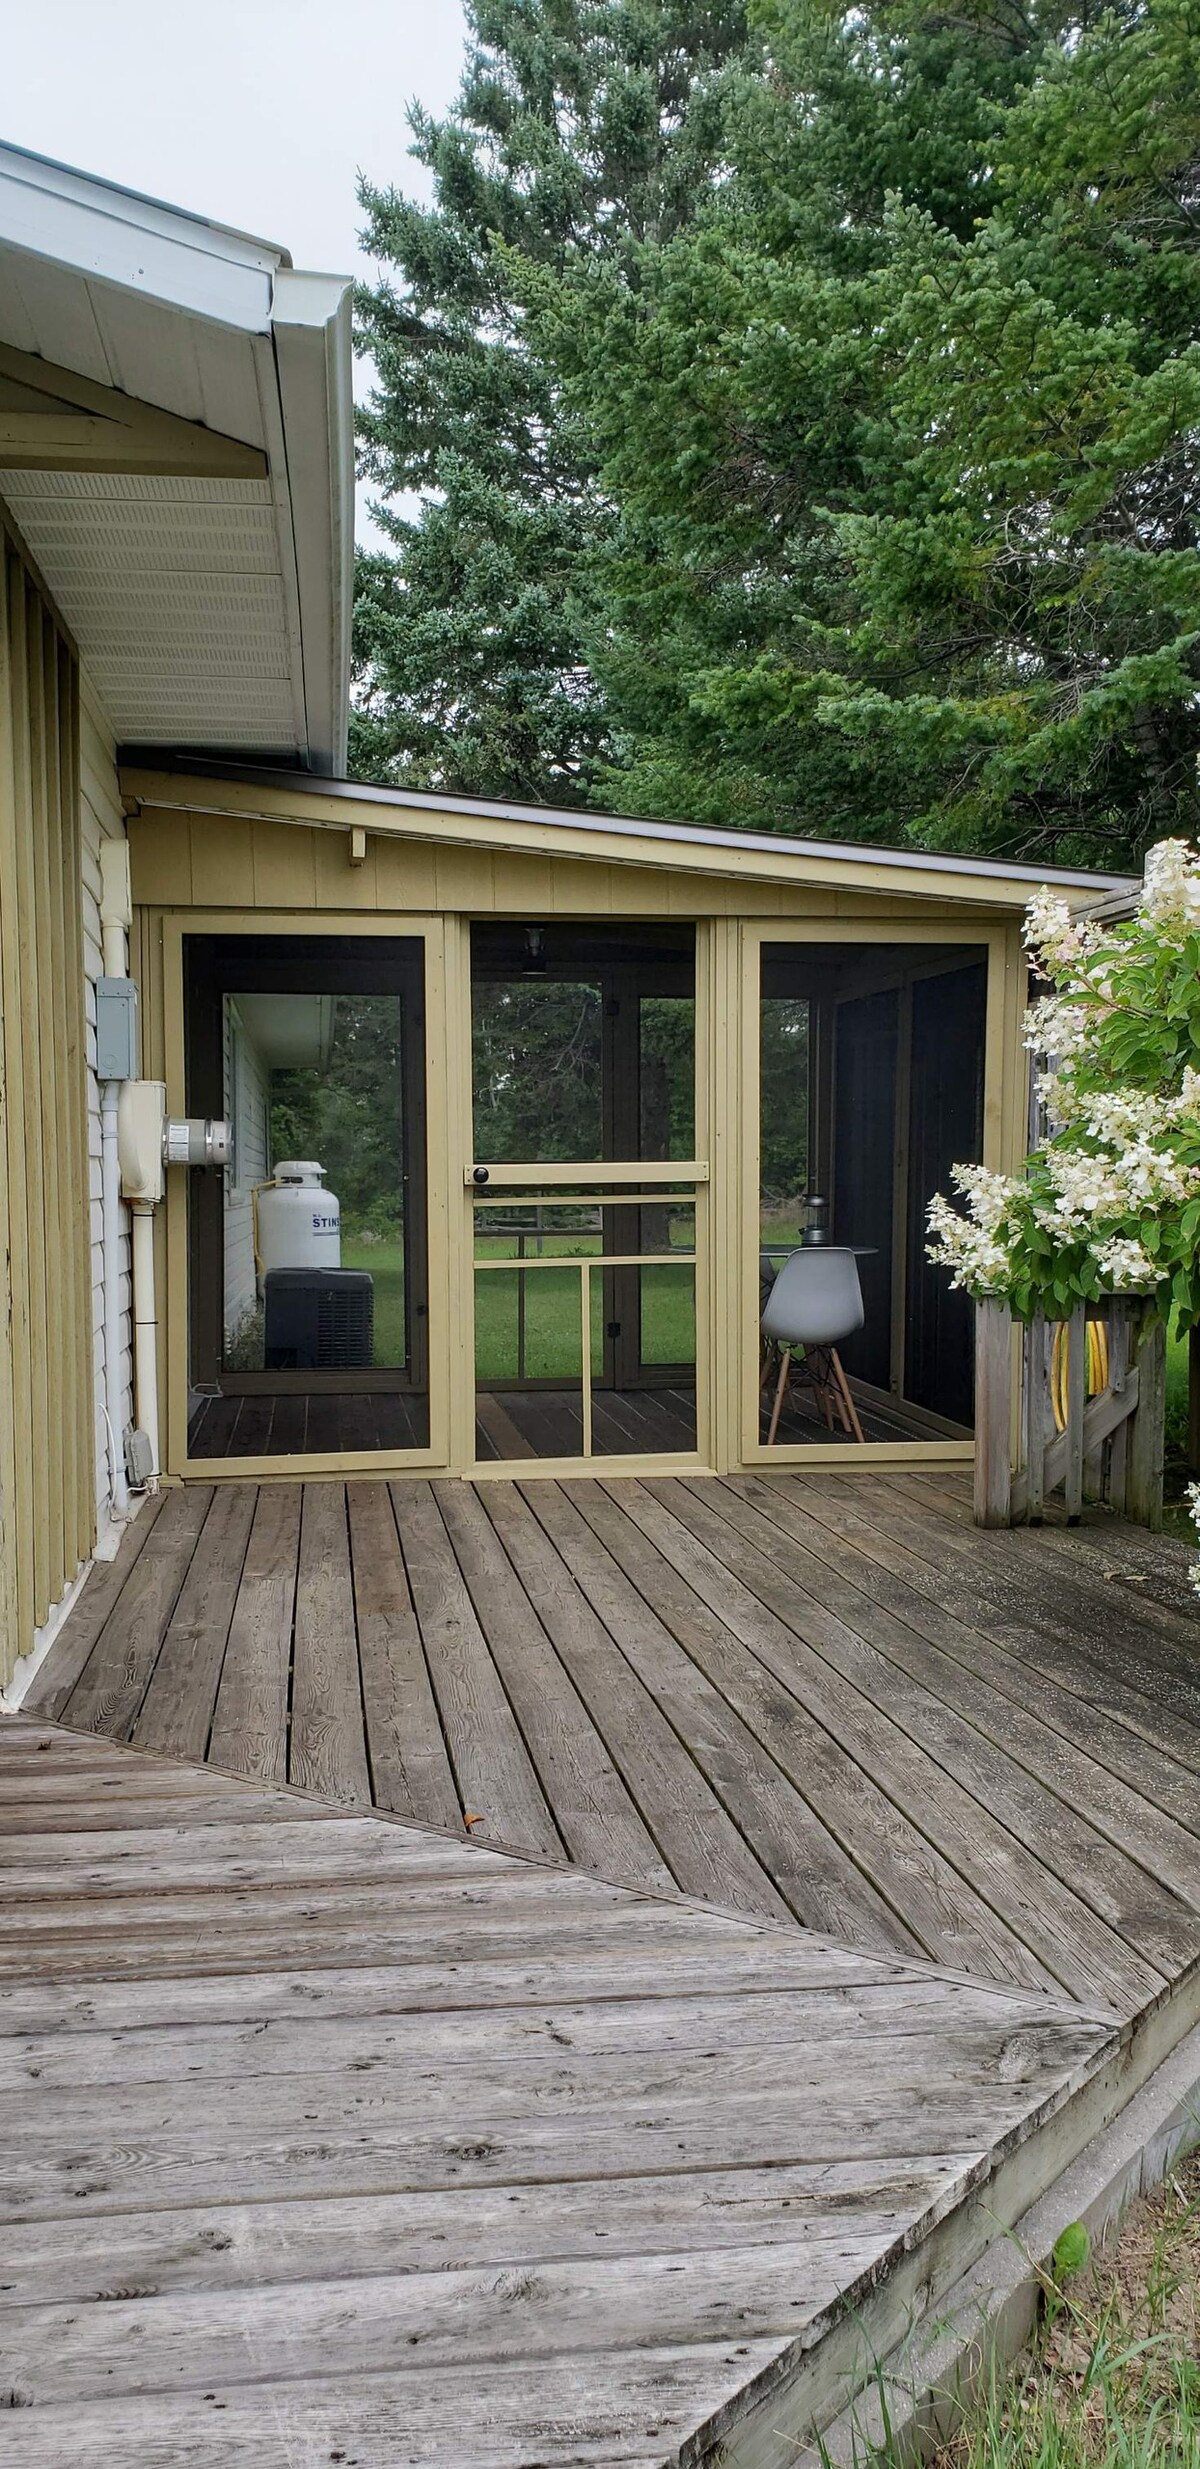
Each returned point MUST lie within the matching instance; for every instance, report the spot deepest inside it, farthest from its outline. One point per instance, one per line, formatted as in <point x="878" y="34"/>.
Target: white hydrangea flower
<point x="1193" y="1495"/>
<point x="1128" y="1268"/>
<point x="1051" y="933"/>
<point x="1171" y="889"/>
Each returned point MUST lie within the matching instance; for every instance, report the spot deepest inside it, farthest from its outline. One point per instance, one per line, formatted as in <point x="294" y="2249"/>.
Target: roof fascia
<point x="111" y="236"/>
<point x="599" y="840"/>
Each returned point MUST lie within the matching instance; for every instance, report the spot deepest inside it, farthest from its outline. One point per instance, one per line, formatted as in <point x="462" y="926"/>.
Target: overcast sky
<point x="258" y="113"/>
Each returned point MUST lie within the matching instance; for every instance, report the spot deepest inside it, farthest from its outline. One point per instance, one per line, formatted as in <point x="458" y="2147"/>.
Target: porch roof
<point x="277" y="796"/>
<point x="176" y="449"/>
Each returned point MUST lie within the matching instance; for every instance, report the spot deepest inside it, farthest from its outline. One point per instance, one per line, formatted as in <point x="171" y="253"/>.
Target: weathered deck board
<point x="821" y="1696"/>
<point x="500" y="1788"/>
<point x="327" y="1750"/>
<point x="557" y="2185"/>
<point x="176" y="1712"/>
<point x="410" y="1765"/>
<point x="249" y="1727"/>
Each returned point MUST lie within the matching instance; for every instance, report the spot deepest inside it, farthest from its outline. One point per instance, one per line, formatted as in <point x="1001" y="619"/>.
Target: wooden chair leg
<point x="766" y="1360"/>
<point x="848" y="1404"/>
<point x="817" y="1367"/>
<point x="785" y="1367"/>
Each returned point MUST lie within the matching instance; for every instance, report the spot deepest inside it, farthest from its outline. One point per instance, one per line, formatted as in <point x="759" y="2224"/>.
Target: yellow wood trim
<point x="719" y="1102"/>
<point x="349" y="1463"/>
<point x="851" y="1459"/>
<point x="457" y="1131"/>
<point x="585" y="1356"/>
<point x="170" y="928"/>
<point x="441" y="1211"/>
<point x="16" y="1532"/>
<point x="605" y="1173"/>
<point x="592" y="1199"/>
<point x="77" y="425"/>
<point x="553" y="837"/>
<point x="514" y="1267"/>
<point x="560" y="1469"/>
<point x="996" y="940"/>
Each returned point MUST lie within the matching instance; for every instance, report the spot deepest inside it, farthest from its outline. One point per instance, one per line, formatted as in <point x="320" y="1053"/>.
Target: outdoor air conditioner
<point x="318" y="1319"/>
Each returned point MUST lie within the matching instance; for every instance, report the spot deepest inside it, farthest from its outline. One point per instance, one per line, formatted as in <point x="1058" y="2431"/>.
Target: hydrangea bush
<point x="1110" y="1200"/>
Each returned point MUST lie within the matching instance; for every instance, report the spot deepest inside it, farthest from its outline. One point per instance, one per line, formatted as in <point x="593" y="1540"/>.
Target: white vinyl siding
<point x="101" y="818"/>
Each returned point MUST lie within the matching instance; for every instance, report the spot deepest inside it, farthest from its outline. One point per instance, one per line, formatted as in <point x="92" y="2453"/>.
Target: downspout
<point x="145" y="1328"/>
<point x="116" y="916"/>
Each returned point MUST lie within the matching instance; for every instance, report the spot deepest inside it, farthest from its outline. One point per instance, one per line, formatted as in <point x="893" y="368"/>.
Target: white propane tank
<point x="299" y="1222"/>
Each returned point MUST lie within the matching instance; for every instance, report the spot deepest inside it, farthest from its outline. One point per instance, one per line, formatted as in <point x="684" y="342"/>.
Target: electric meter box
<point x="116" y="1028"/>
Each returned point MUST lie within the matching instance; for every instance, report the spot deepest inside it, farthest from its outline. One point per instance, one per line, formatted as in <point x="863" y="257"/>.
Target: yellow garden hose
<point x="1097" y="1366"/>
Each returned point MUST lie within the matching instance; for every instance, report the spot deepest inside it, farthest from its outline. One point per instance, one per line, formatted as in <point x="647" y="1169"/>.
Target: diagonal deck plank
<point x="596" y="1815"/>
<point x="112" y="1684"/>
<point x="886" y="1856"/>
<point x="1019" y="1602"/>
<point x="1044" y="1728"/>
<point x="176" y="1712"/>
<point x="762" y="1801"/>
<point x="836" y="1667"/>
<point x="249" y="1727"/>
<point x="410" y="1764"/>
<point x="495" y="1774"/>
<point x="825" y="1698"/>
<point x="106" y="1581"/>
<point x="706" y="1853"/>
<point x="1127" y="1894"/>
<point x="327" y="1750"/>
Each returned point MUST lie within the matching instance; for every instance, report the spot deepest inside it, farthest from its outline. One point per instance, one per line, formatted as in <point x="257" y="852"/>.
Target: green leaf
<point x="1072" y="2250"/>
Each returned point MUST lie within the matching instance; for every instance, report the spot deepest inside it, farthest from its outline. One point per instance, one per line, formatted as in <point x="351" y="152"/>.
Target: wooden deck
<point x="326" y="2138"/>
<point x="509" y="1423"/>
<point x="813" y="1699"/>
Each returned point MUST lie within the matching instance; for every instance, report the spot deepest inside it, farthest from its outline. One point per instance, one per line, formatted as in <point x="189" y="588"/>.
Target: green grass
<point x="551" y="1309"/>
<point x="1177" y="1391"/>
<point x="1113" y="2378"/>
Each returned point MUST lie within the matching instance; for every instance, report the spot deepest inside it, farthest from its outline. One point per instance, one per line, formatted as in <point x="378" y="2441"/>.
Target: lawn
<point x="551" y="1309"/>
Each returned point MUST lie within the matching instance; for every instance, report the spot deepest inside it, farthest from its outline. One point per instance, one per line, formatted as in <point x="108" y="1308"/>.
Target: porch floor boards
<point x="510" y="1423"/>
<point x="817" y="1699"/>
<point x="329" y="2138"/>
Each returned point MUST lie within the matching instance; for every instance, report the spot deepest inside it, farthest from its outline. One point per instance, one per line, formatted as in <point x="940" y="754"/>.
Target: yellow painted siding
<point x="46" y="1387"/>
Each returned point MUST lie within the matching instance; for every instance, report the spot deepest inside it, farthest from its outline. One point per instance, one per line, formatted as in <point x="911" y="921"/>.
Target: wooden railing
<point x="1037" y="1427"/>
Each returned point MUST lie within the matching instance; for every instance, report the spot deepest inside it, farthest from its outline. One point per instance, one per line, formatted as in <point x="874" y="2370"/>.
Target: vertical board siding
<point x="46" y="1452"/>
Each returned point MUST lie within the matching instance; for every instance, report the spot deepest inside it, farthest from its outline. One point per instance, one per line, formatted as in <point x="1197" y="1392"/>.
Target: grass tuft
<point x="1113" y="2380"/>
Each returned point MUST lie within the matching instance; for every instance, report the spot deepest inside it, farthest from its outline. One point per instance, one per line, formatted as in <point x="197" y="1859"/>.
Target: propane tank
<point x="299" y="1222"/>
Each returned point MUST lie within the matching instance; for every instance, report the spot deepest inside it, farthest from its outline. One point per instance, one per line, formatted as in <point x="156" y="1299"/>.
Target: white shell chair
<point x="816" y="1300"/>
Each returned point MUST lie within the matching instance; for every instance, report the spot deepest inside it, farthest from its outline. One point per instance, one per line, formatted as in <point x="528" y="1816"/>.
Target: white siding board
<point x="102" y="818"/>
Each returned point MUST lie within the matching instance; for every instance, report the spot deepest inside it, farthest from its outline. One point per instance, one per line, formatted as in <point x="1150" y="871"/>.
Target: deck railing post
<point x="1144" y="1456"/>
<point x="1033" y="1358"/>
<point x="1116" y="1454"/>
<point x="993" y="1413"/>
<point x="1077" y="1343"/>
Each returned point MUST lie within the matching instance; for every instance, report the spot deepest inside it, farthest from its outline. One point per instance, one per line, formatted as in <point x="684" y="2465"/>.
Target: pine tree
<point x="899" y="435"/>
<point x="583" y="130"/>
